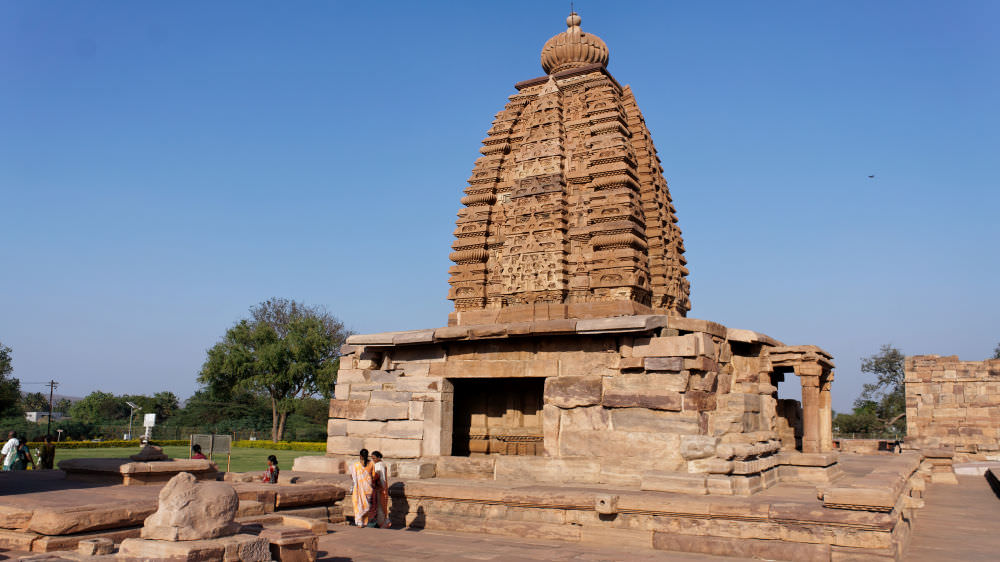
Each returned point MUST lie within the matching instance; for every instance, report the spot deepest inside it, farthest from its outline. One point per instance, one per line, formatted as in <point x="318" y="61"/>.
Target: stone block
<point x="95" y="547"/>
<point x="315" y="463"/>
<point x="657" y="448"/>
<point x="572" y="391"/>
<point x="387" y="410"/>
<point x="418" y="384"/>
<point x="698" y="446"/>
<point x="416" y="336"/>
<point x="342" y="391"/>
<point x="544" y="469"/>
<point x="336" y="427"/>
<point x="643" y="391"/>
<point x="236" y="548"/>
<point x="606" y="504"/>
<point x="689" y="345"/>
<point x="343" y="445"/>
<point x="664" y="363"/>
<point x="698" y="400"/>
<point x="696" y="325"/>
<point x="350" y="376"/>
<point x="657" y="481"/>
<point x="416" y="410"/>
<point x="365" y="428"/>
<point x="551" y="416"/>
<point x="491" y="369"/>
<point x="348" y="409"/>
<point x="413" y="470"/>
<point x="474" y="468"/>
<point x="620" y="324"/>
<point x="655" y="421"/>
<point x="390" y="396"/>
<point x="588" y="418"/>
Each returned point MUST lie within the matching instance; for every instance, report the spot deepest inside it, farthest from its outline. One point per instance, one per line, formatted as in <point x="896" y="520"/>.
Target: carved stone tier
<point x="567" y="207"/>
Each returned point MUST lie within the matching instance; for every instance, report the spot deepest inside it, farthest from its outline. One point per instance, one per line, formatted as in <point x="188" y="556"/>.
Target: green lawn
<point x="243" y="460"/>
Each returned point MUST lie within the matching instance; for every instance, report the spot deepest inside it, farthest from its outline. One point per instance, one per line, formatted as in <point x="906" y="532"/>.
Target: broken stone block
<point x="95" y="547"/>
<point x="192" y="510"/>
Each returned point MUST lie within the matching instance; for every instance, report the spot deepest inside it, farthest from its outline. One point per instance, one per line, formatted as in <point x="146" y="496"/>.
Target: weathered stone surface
<point x="77" y="519"/>
<point x="189" y="510"/>
<point x="572" y="391"/>
<point x="656" y="421"/>
<point x="663" y="363"/>
<point x="656" y="391"/>
<point x="621" y="324"/>
<point x="95" y="547"/>
<point x="475" y="468"/>
<point x="658" y="481"/>
<point x="589" y="418"/>
<point x="698" y="446"/>
<point x="348" y="409"/>
<point x="541" y="469"/>
<point x="235" y="548"/>
<point x="689" y="345"/>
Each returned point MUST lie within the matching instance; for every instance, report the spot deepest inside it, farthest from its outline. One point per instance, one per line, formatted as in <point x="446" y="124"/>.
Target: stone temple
<point x="570" y="359"/>
<point x="569" y="340"/>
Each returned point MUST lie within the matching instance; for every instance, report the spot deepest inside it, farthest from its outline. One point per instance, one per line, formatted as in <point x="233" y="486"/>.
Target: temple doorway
<point x="498" y="416"/>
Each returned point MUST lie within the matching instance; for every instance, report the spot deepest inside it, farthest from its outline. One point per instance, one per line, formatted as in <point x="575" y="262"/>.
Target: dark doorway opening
<point x="498" y="416"/>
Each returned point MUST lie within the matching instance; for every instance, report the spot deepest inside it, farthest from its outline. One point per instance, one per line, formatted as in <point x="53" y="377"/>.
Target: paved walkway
<point x="957" y="523"/>
<point x="376" y="545"/>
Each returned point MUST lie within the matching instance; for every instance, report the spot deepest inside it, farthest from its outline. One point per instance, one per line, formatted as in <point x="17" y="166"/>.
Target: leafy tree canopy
<point x="284" y="351"/>
<point x="882" y="404"/>
<point x="10" y="387"/>
<point x="996" y="352"/>
<point x="35" y="402"/>
<point x="99" y="407"/>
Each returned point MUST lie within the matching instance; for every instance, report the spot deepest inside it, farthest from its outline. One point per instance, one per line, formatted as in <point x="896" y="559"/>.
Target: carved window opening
<point x="497" y="416"/>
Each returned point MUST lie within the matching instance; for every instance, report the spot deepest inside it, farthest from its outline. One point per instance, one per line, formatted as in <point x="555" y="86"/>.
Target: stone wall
<point x="954" y="404"/>
<point x="654" y="401"/>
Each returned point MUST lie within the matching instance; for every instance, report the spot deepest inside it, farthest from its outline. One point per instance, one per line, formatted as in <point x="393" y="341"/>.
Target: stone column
<point x="825" y="413"/>
<point x="809" y="377"/>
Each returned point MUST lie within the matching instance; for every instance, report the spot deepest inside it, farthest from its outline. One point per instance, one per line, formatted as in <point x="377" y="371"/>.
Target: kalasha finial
<point x="573" y="22"/>
<point x="573" y="49"/>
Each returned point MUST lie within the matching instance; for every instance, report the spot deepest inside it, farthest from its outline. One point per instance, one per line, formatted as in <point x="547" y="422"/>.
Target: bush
<point x="281" y="445"/>
<point x="109" y="444"/>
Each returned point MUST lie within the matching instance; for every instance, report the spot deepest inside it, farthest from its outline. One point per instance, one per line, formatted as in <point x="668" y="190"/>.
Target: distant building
<point x="40" y="416"/>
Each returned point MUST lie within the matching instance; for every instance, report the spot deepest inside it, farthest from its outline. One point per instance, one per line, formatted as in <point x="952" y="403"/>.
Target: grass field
<point x="243" y="460"/>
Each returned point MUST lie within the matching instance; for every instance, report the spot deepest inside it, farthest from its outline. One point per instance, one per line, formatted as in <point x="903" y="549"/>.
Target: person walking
<point x="23" y="456"/>
<point x="361" y="473"/>
<point x="9" y="451"/>
<point x="380" y="494"/>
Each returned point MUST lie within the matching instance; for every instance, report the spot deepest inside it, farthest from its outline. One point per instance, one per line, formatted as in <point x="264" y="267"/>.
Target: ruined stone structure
<point x="569" y="341"/>
<point x="954" y="404"/>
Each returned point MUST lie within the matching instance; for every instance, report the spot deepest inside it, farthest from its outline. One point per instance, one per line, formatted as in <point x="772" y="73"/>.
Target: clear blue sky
<point x="164" y="166"/>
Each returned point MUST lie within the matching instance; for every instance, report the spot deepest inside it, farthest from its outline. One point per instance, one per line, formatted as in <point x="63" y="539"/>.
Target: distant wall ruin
<point x="954" y="404"/>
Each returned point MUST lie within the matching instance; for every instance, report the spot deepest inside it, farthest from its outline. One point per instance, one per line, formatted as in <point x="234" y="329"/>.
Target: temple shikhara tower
<point x="567" y="214"/>
<point x="570" y="359"/>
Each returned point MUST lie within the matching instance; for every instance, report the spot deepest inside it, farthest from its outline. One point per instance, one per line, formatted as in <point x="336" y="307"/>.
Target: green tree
<point x="99" y="407"/>
<point x="10" y="387"/>
<point x="35" y="402"/>
<point x="164" y="404"/>
<point x="63" y="405"/>
<point x="885" y="398"/>
<point x="284" y="351"/>
<point x="996" y="352"/>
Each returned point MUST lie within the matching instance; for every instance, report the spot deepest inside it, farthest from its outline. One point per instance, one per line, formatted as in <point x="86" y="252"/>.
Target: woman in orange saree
<point x="361" y="473"/>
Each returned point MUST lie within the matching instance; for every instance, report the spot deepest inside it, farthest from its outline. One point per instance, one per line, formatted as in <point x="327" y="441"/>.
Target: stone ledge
<point x="624" y="324"/>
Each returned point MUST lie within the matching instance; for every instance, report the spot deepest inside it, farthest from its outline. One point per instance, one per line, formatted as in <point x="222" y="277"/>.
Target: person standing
<point x="23" y="456"/>
<point x="361" y="473"/>
<point x="271" y="474"/>
<point x="381" y="491"/>
<point x="47" y="456"/>
<point x="9" y="451"/>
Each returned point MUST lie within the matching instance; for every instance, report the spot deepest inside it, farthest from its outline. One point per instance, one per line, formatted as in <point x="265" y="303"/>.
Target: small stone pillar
<point x="809" y="376"/>
<point x="825" y="413"/>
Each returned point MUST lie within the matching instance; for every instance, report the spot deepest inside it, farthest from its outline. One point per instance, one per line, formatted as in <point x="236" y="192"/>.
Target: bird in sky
<point x="871" y="177"/>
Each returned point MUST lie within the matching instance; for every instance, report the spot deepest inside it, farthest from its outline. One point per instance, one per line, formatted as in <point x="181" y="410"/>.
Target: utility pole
<point x="52" y="387"/>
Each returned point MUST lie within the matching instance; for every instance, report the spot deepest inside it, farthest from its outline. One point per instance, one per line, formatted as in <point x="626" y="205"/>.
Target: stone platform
<point x="44" y="511"/>
<point x="864" y="514"/>
<point x="136" y="473"/>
